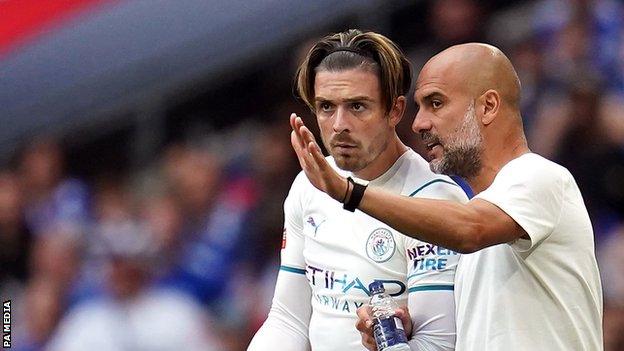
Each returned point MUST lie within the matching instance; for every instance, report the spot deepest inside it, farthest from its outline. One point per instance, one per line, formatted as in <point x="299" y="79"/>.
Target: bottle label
<point x="388" y="332"/>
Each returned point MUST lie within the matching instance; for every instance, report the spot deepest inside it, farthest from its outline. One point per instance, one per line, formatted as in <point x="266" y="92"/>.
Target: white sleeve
<point x="289" y="317"/>
<point x="432" y="267"/>
<point x="531" y="193"/>
<point x="430" y="280"/>
<point x="433" y="317"/>
<point x="288" y="321"/>
<point x="431" y="301"/>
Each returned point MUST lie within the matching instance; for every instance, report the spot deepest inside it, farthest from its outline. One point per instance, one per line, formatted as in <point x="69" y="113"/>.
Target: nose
<point x="421" y="123"/>
<point x="341" y="121"/>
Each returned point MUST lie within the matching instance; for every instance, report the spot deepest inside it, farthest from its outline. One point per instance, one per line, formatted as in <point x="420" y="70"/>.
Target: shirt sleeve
<point x="289" y="318"/>
<point x="430" y="280"/>
<point x="531" y="193"/>
<point x="293" y="238"/>
<point x="431" y="275"/>
<point x="431" y="267"/>
<point x="433" y="317"/>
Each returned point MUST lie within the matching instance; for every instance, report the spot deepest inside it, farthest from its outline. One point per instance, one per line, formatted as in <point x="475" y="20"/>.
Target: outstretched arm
<point x="461" y="227"/>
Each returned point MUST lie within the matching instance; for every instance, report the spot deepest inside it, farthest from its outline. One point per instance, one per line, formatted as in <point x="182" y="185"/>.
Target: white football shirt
<point x="341" y="252"/>
<point x="537" y="294"/>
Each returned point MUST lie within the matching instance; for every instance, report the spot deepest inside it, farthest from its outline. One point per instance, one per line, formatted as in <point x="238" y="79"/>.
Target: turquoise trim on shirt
<point x="417" y="274"/>
<point x="431" y="288"/>
<point x="429" y="183"/>
<point x="292" y="269"/>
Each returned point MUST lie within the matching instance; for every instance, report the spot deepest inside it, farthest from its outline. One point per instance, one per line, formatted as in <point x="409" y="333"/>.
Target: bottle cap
<point x="376" y="287"/>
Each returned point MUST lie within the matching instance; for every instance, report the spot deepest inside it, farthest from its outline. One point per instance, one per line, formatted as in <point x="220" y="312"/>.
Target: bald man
<point x="529" y="278"/>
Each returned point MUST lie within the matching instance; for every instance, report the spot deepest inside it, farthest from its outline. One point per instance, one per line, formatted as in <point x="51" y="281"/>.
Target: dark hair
<point x="352" y="49"/>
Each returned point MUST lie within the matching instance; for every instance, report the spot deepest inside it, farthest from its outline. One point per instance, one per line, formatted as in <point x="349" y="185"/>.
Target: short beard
<point x="363" y="156"/>
<point x="362" y="159"/>
<point x="462" y="149"/>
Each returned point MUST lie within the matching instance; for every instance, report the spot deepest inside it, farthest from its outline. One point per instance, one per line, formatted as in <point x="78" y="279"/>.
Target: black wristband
<point x="344" y="198"/>
<point x="356" y="195"/>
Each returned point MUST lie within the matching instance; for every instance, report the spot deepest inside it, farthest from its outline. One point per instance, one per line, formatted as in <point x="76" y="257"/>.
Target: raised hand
<point x="312" y="161"/>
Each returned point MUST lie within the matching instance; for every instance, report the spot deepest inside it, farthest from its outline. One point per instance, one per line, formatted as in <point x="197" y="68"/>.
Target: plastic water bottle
<point x="387" y="328"/>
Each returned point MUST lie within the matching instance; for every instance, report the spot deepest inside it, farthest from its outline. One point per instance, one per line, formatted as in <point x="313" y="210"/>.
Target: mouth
<point x="431" y="145"/>
<point x="343" y="148"/>
<point x="343" y="145"/>
<point x="434" y="150"/>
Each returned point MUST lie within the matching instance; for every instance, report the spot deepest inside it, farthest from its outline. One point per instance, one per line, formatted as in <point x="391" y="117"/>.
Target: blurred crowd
<point x="182" y="253"/>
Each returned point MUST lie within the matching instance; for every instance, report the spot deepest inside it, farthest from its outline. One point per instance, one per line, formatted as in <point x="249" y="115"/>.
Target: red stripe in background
<point x="23" y="19"/>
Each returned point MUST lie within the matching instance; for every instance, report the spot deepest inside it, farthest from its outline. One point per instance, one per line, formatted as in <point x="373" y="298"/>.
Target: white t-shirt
<point x="340" y="253"/>
<point x="537" y="294"/>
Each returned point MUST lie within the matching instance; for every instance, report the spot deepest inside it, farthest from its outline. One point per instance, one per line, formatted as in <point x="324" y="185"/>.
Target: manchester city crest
<point x="380" y="245"/>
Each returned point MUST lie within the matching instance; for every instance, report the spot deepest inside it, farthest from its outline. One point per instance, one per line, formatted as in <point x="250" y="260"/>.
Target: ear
<point x="490" y="102"/>
<point x="397" y="111"/>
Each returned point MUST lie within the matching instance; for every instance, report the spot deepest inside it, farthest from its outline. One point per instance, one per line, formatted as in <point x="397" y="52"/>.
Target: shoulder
<point x="533" y="170"/>
<point x="301" y="182"/>
<point x="302" y="192"/>
<point x="531" y="163"/>
<point x="420" y="181"/>
<point x="529" y="178"/>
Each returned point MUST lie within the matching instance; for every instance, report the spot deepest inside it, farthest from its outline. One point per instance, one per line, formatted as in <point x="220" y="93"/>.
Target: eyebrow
<point x="430" y="96"/>
<point x="351" y="99"/>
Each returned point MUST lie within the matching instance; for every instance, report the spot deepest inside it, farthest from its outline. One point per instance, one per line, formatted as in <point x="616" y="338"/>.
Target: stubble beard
<point x="462" y="149"/>
<point x="361" y="159"/>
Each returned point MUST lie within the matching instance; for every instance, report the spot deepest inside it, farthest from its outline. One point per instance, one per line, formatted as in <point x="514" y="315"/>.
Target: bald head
<point x="468" y="112"/>
<point x="476" y="68"/>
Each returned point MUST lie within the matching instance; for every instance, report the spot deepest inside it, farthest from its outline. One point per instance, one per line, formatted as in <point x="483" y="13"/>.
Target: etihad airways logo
<point x="334" y="280"/>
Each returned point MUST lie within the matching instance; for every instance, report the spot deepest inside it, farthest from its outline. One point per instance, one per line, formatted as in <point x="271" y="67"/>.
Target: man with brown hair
<point x="355" y="83"/>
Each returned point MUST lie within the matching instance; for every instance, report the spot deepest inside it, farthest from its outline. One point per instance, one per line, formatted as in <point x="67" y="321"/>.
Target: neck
<point x="493" y="161"/>
<point x="384" y="161"/>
